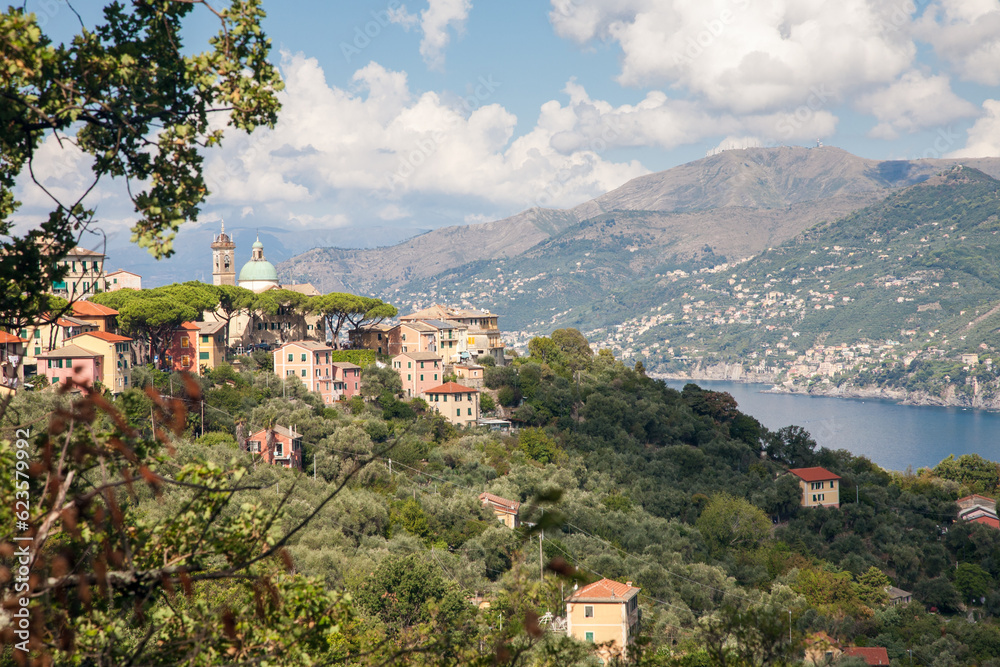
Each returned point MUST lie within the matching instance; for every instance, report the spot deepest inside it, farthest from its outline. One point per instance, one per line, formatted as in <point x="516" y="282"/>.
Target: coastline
<point x="735" y="373"/>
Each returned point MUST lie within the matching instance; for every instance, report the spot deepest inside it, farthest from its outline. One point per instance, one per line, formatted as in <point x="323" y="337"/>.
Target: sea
<point x="896" y="437"/>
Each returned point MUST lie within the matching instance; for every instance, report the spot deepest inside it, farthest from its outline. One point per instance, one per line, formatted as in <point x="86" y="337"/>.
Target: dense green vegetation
<point x="368" y="562"/>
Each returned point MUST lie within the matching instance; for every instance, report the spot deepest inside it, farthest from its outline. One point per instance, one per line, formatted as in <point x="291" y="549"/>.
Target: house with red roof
<point x="872" y="655"/>
<point x="978" y="509"/>
<point x="418" y="371"/>
<point x="102" y="317"/>
<point x="278" y="446"/>
<point x="820" y="487"/>
<point x="457" y="403"/>
<point x="607" y="613"/>
<point x="117" y="353"/>
<point x="506" y="511"/>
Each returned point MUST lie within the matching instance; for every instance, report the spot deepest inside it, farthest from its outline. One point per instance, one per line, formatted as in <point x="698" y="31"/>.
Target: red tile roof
<point x="89" y="309"/>
<point x="873" y="655"/>
<point x="11" y="338"/>
<point x="190" y="326"/>
<point x="605" y="590"/>
<point x="105" y="336"/>
<point x="813" y="474"/>
<point x="451" y="388"/>
<point x="993" y="522"/>
<point x="503" y="503"/>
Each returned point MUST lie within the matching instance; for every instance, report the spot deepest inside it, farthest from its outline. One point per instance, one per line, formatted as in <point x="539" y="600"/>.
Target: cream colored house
<point x="820" y="487"/>
<point x="457" y="403"/>
<point x="605" y="612"/>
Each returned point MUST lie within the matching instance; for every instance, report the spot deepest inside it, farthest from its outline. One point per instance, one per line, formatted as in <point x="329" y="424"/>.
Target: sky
<point x="407" y="116"/>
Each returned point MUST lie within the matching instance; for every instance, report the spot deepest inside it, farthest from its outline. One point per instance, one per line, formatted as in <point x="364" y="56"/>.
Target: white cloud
<point x="966" y="33"/>
<point x="436" y="22"/>
<point x="743" y="56"/>
<point x="657" y="120"/>
<point x="393" y="212"/>
<point x="913" y="103"/>
<point x="984" y="135"/>
<point x="355" y="149"/>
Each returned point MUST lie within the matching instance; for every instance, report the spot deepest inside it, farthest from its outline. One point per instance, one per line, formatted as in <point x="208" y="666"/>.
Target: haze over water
<point x="893" y="436"/>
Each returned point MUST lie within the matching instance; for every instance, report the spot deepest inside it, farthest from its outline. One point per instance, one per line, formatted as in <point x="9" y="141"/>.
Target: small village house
<point x="211" y="344"/>
<point x="117" y="357"/>
<point x="481" y="330"/>
<point x="277" y="446"/>
<point x="122" y="279"/>
<point x="872" y="655"/>
<point x="311" y="362"/>
<point x="418" y="371"/>
<point x="605" y="611"/>
<point x="506" y="511"/>
<point x="182" y="350"/>
<point x="84" y="274"/>
<point x="71" y="362"/>
<point x="456" y="403"/>
<point x="820" y="487"/>
<point x="349" y="377"/>
<point x="898" y="596"/>
<point x="49" y="334"/>
<point x="471" y="375"/>
<point x="978" y="509"/>
<point x="102" y="317"/>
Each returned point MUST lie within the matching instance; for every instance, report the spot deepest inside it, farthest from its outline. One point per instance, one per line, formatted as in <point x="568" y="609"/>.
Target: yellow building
<point x="506" y="511"/>
<point x="820" y="487"/>
<point x="47" y="335"/>
<point x="605" y="612"/>
<point x="116" y="350"/>
<point x="481" y="331"/>
<point x="211" y="344"/>
<point x="458" y="404"/>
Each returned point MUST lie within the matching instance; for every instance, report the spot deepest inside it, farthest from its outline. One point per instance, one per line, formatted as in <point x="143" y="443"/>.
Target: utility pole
<point x="789" y="626"/>
<point x="857" y="497"/>
<point x="390" y="467"/>
<point x="541" y="568"/>
<point x="314" y="466"/>
<point x="203" y="416"/>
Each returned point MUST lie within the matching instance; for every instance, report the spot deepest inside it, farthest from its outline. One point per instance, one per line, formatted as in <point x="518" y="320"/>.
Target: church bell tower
<point x="223" y="259"/>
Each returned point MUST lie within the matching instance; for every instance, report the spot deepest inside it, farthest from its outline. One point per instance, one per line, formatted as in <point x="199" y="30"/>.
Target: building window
<point x="470" y="412"/>
<point x="291" y="357"/>
<point x="458" y="412"/>
<point x="588" y="612"/>
<point x="303" y="357"/>
<point x="303" y="372"/>
<point x="589" y="636"/>
<point x="203" y="355"/>
<point x="278" y="448"/>
<point x="185" y="360"/>
<point x="204" y="339"/>
<point x="185" y="342"/>
<point x="435" y="376"/>
<point x="831" y="485"/>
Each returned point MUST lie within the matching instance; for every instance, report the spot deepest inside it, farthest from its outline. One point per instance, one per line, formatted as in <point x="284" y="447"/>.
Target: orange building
<point x="182" y="352"/>
<point x="605" y="612"/>
<point x="102" y="317"/>
<point x="278" y="446"/>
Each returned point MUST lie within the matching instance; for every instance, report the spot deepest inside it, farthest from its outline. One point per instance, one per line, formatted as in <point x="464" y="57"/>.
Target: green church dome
<point x="258" y="269"/>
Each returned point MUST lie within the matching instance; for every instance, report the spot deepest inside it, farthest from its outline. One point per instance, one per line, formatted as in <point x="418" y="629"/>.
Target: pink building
<point x="349" y="376"/>
<point x="122" y="279"/>
<point x="182" y="352"/>
<point x="285" y="448"/>
<point x="418" y="371"/>
<point x="72" y="362"/>
<point x="309" y="361"/>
